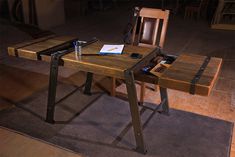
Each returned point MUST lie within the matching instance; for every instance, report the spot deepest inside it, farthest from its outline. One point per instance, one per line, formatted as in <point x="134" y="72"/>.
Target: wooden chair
<point x="195" y="8"/>
<point x="151" y="32"/>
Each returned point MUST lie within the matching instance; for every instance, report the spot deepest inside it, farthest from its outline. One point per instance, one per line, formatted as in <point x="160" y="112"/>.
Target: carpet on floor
<point x="99" y="125"/>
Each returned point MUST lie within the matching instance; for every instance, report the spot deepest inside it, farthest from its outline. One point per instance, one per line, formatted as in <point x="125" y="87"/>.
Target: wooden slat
<point x="91" y="61"/>
<point x="140" y="76"/>
<point x="154" y="37"/>
<point x="153" y="13"/>
<point x="180" y="74"/>
<point x="12" y="49"/>
<point x="141" y="27"/>
<point x="223" y="26"/>
<point x="164" y="28"/>
<point x="110" y="65"/>
<point x="30" y="50"/>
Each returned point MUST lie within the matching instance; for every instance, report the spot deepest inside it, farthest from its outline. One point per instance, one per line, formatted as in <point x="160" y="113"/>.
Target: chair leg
<point x="155" y="87"/>
<point x="113" y="88"/>
<point x="142" y="92"/>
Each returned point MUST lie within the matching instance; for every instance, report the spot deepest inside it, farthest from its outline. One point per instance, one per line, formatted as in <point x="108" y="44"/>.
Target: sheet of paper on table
<point x="111" y="49"/>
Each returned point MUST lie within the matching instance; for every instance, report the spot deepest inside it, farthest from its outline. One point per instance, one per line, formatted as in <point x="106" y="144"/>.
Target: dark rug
<point x="99" y="125"/>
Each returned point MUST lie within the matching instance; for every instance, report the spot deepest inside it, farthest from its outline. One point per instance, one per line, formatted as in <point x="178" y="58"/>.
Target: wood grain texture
<point x="153" y="27"/>
<point x="109" y="65"/>
<point x="153" y="13"/>
<point x="180" y="74"/>
<point x="12" y="50"/>
<point x="31" y="49"/>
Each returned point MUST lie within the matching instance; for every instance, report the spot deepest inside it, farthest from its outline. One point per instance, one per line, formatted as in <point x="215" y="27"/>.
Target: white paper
<point x="112" y="49"/>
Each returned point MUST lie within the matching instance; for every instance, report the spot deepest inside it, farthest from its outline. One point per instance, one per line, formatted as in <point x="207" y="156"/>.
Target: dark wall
<point x="4" y="9"/>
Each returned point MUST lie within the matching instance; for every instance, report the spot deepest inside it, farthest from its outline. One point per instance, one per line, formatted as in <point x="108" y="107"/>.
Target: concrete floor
<point x="11" y="140"/>
<point x="183" y="36"/>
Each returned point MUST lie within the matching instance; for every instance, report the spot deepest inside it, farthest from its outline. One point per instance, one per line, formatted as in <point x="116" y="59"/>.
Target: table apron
<point x="106" y="71"/>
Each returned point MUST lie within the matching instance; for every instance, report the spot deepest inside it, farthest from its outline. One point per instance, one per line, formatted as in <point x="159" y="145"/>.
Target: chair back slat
<point x="155" y="31"/>
<point x="163" y="32"/>
<point x="139" y="37"/>
<point x="153" y="13"/>
<point x="152" y="28"/>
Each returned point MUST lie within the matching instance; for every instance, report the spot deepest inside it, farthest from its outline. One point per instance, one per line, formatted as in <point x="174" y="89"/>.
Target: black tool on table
<point x="136" y="55"/>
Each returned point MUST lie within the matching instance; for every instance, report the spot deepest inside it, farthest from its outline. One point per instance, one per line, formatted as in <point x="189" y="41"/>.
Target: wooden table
<point x="179" y="76"/>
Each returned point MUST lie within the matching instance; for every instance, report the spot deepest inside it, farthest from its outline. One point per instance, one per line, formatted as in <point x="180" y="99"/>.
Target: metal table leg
<point x="164" y="97"/>
<point x="52" y="87"/>
<point x="164" y="101"/>
<point x="88" y="83"/>
<point x="55" y="62"/>
<point x="135" y="114"/>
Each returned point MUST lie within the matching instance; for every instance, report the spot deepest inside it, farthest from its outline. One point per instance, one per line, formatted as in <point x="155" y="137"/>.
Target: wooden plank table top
<point x="178" y="76"/>
<point x="31" y="49"/>
<point x="109" y="65"/>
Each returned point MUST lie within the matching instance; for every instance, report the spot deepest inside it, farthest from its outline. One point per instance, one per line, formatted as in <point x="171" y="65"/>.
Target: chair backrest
<point x="152" y="29"/>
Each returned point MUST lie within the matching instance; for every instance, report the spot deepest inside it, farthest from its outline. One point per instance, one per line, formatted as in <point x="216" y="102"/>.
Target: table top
<point x="178" y="76"/>
<point x="183" y="70"/>
<point x="110" y="64"/>
<point x="90" y="61"/>
<point x="32" y="48"/>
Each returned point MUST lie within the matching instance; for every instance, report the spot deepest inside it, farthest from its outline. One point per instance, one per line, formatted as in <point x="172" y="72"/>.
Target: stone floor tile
<point x="228" y="70"/>
<point x="224" y="84"/>
<point x="230" y="55"/>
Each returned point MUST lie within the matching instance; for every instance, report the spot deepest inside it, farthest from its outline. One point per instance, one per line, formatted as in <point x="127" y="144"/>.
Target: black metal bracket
<point x="88" y="83"/>
<point x="164" y="105"/>
<point x="54" y="67"/>
<point x="61" y="48"/>
<point x="198" y="75"/>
